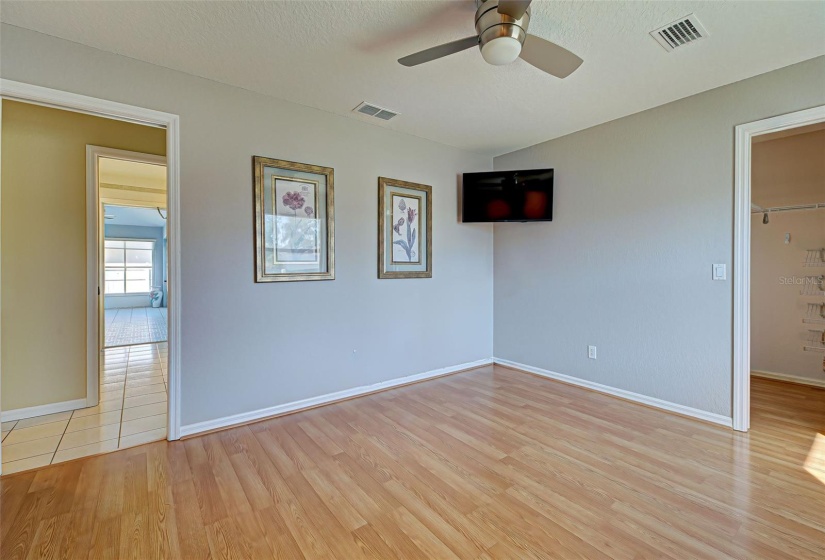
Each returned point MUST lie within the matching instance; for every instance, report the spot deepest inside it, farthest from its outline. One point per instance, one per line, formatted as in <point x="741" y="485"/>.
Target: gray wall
<point x="643" y="207"/>
<point x="247" y="346"/>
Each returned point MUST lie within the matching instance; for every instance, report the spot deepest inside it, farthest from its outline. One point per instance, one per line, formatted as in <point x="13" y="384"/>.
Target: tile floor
<point x="132" y="411"/>
<point x="134" y="325"/>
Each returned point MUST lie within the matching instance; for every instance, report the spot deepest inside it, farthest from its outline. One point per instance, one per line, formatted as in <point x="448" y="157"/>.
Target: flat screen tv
<point x="508" y="196"/>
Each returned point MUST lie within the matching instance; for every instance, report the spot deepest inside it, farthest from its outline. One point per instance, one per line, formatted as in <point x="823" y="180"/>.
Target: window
<point x="128" y="266"/>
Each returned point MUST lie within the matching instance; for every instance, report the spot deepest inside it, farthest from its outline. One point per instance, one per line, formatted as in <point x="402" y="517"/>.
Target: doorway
<point x="749" y="210"/>
<point x="163" y="352"/>
<point x="132" y="254"/>
<point x="127" y="252"/>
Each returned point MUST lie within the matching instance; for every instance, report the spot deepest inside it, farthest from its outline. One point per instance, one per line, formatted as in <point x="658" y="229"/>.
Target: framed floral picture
<point x="404" y="229"/>
<point x="294" y="221"/>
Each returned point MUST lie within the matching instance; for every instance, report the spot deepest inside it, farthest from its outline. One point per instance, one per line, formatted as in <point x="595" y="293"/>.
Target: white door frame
<point x="27" y="93"/>
<point x="94" y="262"/>
<point x="742" y="252"/>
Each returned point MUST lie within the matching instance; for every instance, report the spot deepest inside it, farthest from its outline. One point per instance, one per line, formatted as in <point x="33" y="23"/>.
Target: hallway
<point x="132" y="411"/>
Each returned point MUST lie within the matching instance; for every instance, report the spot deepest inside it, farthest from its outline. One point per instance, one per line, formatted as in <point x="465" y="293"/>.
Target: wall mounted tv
<point x="508" y="196"/>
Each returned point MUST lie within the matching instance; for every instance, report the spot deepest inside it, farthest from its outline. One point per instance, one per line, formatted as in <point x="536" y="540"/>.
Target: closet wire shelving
<point x="815" y="314"/>
<point x="814" y="258"/>
<point x="816" y="341"/>
<point x="815" y="286"/>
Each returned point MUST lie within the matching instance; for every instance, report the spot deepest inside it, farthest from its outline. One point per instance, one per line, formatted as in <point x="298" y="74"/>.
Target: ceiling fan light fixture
<point x="501" y="27"/>
<point x="501" y="50"/>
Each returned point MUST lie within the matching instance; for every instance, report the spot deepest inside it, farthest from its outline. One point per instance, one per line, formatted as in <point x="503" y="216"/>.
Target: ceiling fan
<point x="502" y="37"/>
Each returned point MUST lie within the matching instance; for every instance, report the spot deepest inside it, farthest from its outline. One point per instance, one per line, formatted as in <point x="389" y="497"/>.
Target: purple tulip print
<point x="408" y="244"/>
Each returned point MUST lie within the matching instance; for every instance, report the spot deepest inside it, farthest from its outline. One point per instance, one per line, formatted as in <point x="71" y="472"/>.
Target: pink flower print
<point x="410" y="215"/>
<point x="402" y="205"/>
<point x="293" y="200"/>
<point x="309" y="211"/>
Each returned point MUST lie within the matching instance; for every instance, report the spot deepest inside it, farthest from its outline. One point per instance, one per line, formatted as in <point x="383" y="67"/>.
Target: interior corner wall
<point x="643" y="208"/>
<point x="777" y="308"/>
<point x="248" y="346"/>
<point x="43" y="202"/>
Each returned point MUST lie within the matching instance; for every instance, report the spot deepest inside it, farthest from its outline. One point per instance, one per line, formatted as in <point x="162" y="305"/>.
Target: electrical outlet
<point x="591" y="352"/>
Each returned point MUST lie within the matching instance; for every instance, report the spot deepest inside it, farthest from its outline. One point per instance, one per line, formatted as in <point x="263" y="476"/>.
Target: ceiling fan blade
<point x="440" y="51"/>
<point x="549" y="57"/>
<point x="513" y="8"/>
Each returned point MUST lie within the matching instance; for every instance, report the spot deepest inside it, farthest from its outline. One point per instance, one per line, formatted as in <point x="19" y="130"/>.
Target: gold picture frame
<point x="405" y="245"/>
<point x="294" y="216"/>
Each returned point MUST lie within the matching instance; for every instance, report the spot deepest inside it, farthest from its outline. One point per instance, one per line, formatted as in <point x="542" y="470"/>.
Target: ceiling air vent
<point x="680" y="32"/>
<point x="375" y="111"/>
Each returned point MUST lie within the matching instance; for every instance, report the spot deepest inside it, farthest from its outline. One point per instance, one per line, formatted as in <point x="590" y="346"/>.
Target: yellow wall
<point x="43" y="246"/>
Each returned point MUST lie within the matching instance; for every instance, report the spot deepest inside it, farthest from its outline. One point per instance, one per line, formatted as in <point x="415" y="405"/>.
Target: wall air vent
<point x="375" y="111"/>
<point x="680" y="32"/>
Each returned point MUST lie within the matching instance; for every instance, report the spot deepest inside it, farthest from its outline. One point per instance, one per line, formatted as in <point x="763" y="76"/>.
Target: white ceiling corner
<point x="336" y="54"/>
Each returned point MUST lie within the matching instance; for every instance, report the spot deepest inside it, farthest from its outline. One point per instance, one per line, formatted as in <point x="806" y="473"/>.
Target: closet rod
<point x="760" y="210"/>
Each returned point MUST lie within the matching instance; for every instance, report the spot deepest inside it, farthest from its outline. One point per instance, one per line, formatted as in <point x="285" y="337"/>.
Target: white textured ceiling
<point x="333" y="55"/>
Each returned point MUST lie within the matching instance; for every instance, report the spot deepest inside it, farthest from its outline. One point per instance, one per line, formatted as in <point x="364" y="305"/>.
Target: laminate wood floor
<point x="489" y="463"/>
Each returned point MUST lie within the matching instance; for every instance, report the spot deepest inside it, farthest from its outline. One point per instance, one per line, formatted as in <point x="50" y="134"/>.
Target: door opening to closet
<point x="787" y="288"/>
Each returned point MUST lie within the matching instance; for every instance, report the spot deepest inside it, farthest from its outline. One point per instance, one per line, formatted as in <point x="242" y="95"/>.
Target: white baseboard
<point x="790" y="378"/>
<point x="635" y="397"/>
<point x="42" y="410"/>
<point x="245" y="417"/>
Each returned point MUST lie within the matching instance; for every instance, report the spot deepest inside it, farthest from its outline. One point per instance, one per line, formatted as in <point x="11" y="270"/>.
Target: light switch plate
<point x="719" y="272"/>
